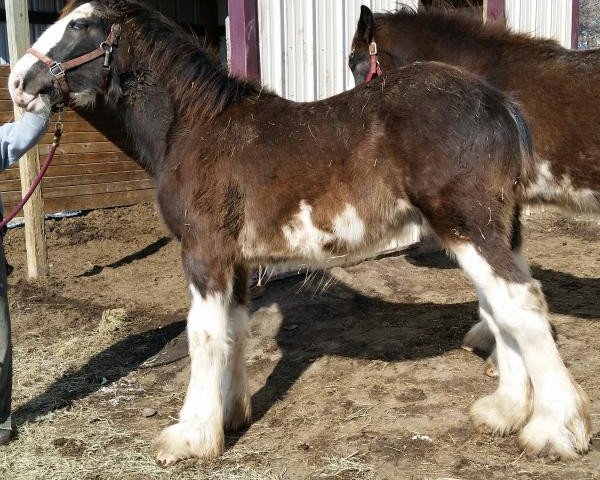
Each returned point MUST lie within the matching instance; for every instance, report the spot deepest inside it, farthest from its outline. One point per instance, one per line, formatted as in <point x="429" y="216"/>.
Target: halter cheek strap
<point x="58" y="70"/>
<point x="375" y="69"/>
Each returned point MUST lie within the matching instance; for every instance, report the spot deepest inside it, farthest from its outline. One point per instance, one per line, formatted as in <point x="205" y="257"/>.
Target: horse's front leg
<point x="237" y="409"/>
<point x="214" y="395"/>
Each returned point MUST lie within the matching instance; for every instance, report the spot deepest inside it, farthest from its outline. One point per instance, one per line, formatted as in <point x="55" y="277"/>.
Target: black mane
<point x="198" y="84"/>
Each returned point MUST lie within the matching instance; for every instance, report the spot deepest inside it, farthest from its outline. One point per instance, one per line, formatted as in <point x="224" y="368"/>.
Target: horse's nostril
<point x="17" y="82"/>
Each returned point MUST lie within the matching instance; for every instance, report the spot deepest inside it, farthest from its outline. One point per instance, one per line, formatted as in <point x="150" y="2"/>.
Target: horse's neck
<point x="148" y="116"/>
<point x="462" y="49"/>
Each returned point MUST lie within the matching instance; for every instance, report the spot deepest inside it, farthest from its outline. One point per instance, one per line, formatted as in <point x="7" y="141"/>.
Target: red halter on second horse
<point x="375" y="70"/>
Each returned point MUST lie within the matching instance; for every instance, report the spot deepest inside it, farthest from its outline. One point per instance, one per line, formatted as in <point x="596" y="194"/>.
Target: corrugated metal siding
<point x="304" y="44"/>
<point x="542" y="18"/>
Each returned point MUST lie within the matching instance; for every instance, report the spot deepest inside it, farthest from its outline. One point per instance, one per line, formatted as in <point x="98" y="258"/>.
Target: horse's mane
<point x="199" y="86"/>
<point x="459" y="23"/>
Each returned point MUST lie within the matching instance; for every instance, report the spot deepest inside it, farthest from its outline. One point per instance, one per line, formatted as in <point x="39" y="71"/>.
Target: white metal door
<point x="542" y="18"/>
<point x="304" y="44"/>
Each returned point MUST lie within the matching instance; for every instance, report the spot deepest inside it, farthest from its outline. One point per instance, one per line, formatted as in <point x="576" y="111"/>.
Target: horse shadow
<point x="104" y="368"/>
<point x="342" y="322"/>
<point x="145" y="252"/>
<point x="565" y="293"/>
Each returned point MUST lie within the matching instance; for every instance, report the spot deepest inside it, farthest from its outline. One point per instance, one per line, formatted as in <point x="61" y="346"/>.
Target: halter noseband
<point x="58" y="70"/>
<point x="375" y="70"/>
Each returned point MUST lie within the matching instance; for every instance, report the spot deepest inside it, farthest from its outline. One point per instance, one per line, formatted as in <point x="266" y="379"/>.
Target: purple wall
<point x="495" y="10"/>
<point x="575" y="29"/>
<point x="243" y="25"/>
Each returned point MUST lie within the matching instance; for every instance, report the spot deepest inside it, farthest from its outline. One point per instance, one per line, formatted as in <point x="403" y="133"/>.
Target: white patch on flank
<point x="411" y="227"/>
<point x="548" y="189"/>
<point x="399" y="225"/>
<point x="409" y="234"/>
<point x="49" y="39"/>
<point x="304" y="239"/>
<point x="517" y="316"/>
<point x="348" y="227"/>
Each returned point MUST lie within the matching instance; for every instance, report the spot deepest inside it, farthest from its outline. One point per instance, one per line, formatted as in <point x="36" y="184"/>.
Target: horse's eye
<point x="78" y="25"/>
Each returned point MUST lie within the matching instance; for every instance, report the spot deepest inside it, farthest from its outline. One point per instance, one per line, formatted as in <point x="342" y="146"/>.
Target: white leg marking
<point x="509" y="407"/>
<point x="480" y="338"/>
<point x="560" y="424"/>
<point x="199" y="432"/>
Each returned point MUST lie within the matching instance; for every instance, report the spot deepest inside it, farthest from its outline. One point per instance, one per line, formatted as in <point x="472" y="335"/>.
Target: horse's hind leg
<point x="509" y="407"/>
<point x="480" y="338"/>
<point x="559" y="424"/>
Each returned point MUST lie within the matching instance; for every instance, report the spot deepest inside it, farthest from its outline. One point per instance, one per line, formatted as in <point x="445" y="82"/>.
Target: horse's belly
<point x="347" y="236"/>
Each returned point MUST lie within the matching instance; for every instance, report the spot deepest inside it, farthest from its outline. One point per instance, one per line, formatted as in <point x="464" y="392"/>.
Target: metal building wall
<point x="542" y="18"/>
<point x="183" y="11"/>
<point x="304" y="44"/>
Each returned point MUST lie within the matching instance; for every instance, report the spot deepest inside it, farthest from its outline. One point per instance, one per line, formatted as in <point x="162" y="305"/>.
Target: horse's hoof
<point x="499" y="414"/>
<point x="539" y="439"/>
<point x="189" y="440"/>
<point x="479" y="339"/>
<point x="240" y="414"/>
<point x="490" y="368"/>
<point x="558" y="436"/>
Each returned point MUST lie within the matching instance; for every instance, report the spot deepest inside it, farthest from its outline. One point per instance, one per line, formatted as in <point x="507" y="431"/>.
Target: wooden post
<point x="243" y="27"/>
<point x="17" y="24"/>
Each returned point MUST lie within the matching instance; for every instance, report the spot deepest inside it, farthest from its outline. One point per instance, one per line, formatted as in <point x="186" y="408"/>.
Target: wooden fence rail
<point x="89" y="169"/>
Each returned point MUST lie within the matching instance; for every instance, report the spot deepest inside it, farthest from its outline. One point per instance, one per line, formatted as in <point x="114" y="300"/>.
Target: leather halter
<point x="375" y="70"/>
<point x="58" y="70"/>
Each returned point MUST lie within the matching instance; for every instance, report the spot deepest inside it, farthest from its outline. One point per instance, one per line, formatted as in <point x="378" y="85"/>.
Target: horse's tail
<point x="525" y="142"/>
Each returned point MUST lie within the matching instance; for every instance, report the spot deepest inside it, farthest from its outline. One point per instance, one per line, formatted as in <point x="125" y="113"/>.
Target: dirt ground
<point x="364" y="379"/>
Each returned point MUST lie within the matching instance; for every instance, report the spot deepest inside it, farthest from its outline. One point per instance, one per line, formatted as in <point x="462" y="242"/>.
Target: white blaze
<point x="49" y="39"/>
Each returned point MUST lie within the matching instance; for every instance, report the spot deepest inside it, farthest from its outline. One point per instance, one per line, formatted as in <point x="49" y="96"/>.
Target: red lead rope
<point x="375" y="70"/>
<point x="38" y="177"/>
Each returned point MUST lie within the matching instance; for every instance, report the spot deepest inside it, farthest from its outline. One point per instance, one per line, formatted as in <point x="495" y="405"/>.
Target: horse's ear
<point x="364" y="29"/>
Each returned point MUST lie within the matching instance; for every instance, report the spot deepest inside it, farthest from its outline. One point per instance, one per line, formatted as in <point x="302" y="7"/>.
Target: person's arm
<point x="18" y="137"/>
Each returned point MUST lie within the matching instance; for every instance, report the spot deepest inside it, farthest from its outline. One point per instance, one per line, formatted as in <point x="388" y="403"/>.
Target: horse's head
<point x="373" y="28"/>
<point x="359" y="60"/>
<point x="84" y="27"/>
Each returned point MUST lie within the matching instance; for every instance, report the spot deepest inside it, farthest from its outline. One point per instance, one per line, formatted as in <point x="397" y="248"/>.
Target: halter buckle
<point x="372" y="48"/>
<point x="57" y="70"/>
<point x="108" y="48"/>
